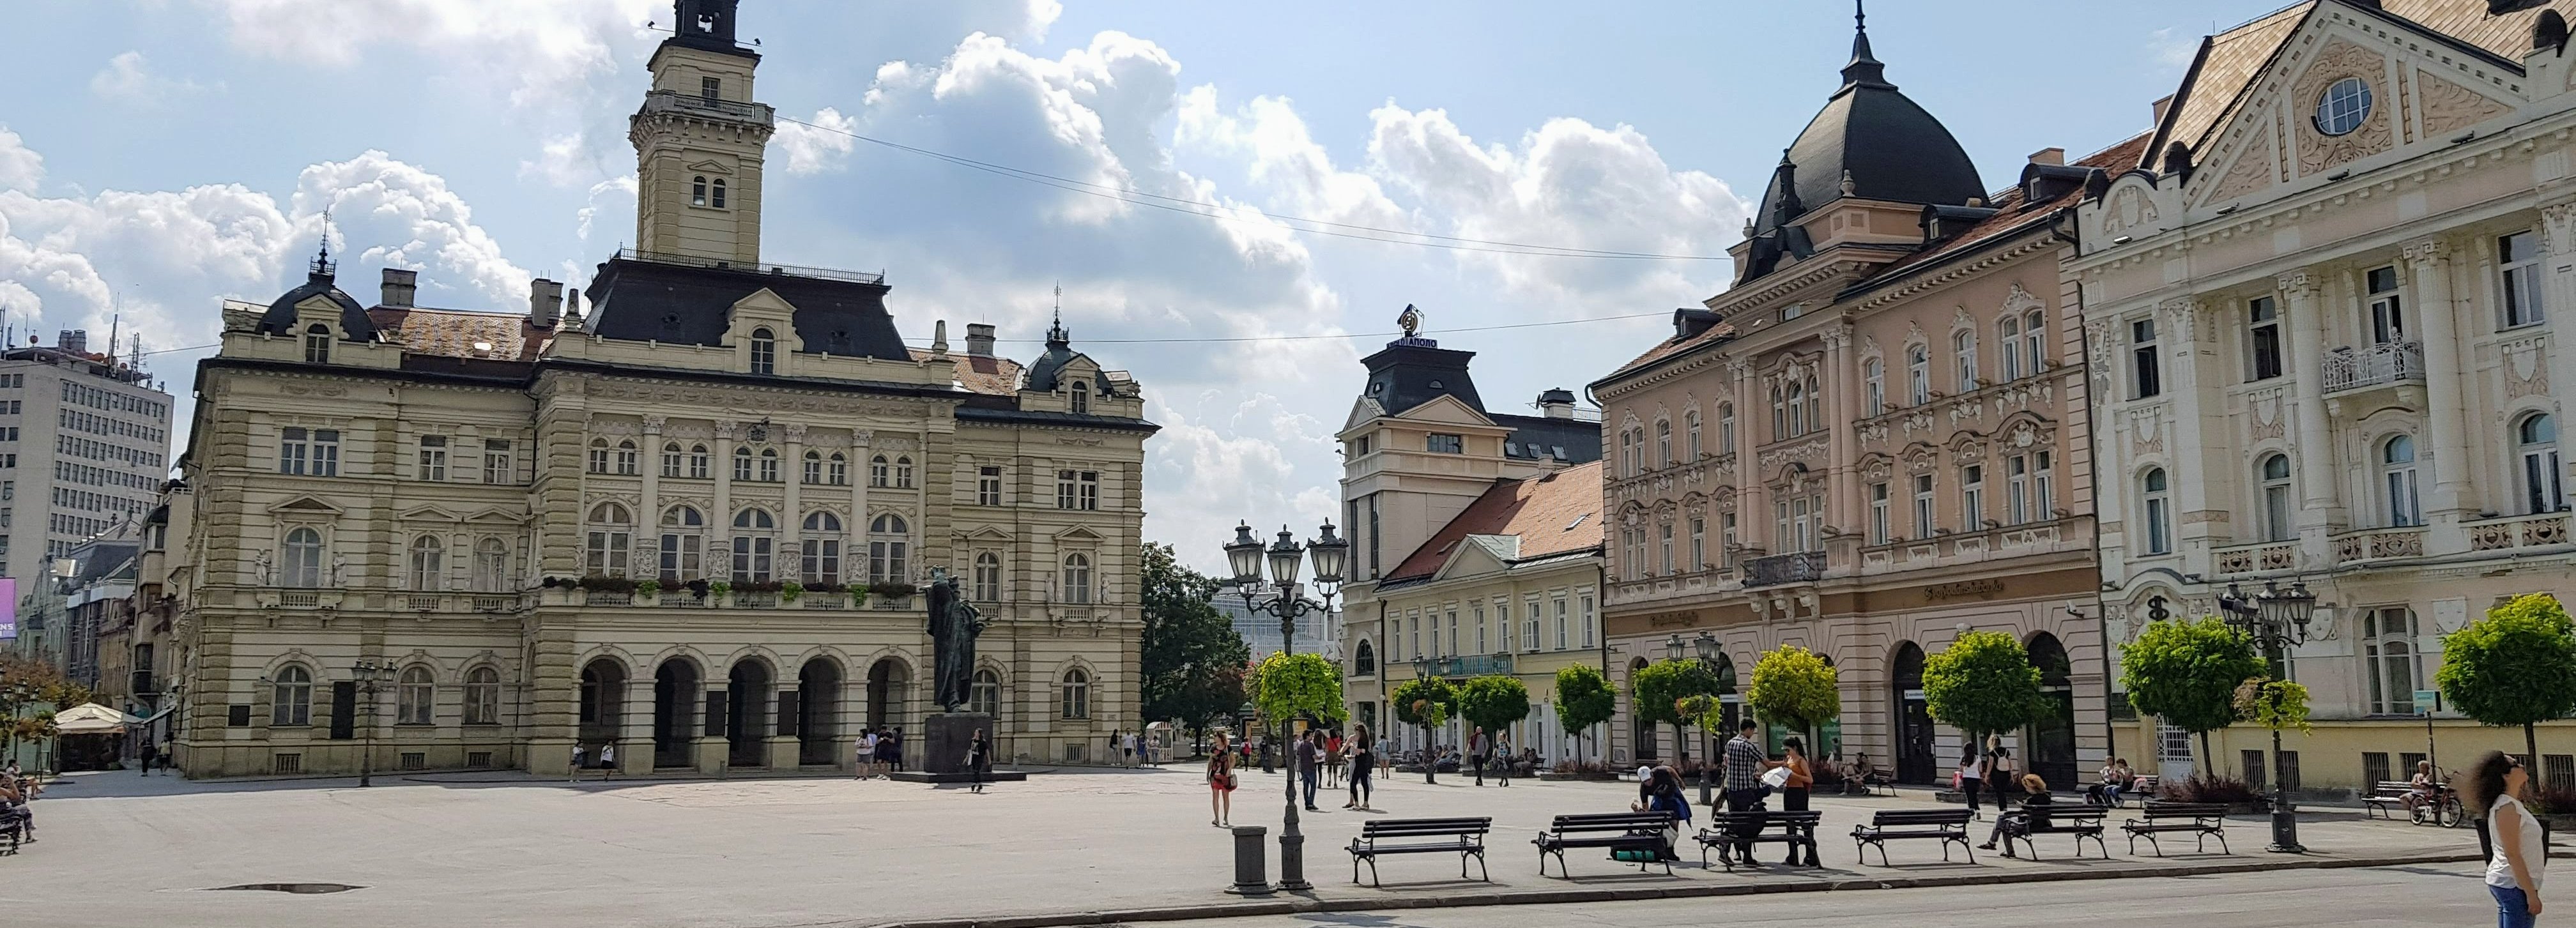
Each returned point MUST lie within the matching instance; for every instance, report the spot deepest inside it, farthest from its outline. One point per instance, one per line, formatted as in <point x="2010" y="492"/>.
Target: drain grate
<point x="301" y="889"/>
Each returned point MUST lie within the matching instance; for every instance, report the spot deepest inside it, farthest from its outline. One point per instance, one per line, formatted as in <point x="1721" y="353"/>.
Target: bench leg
<point x="1945" y="849"/>
<point x="1488" y="875"/>
<point x="1373" y="880"/>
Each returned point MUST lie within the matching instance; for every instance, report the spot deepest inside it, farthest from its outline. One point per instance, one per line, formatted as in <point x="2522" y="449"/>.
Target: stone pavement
<point x="504" y="850"/>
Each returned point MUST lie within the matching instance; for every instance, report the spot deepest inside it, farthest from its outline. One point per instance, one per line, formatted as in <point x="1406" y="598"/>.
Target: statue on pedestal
<point x="954" y="623"/>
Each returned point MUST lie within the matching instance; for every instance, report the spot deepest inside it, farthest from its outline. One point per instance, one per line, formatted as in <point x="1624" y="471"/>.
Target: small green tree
<point x="1192" y="661"/>
<point x="1795" y="687"/>
<point x="1291" y="686"/>
<point x="1425" y="702"/>
<point x="1584" y="698"/>
<point x="2274" y="704"/>
<point x="2517" y="666"/>
<point x="1657" y="691"/>
<point x="1493" y="702"/>
<point x="2186" y="672"/>
<point x="1983" y="684"/>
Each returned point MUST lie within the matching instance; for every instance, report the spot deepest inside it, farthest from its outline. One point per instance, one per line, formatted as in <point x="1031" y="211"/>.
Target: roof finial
<point x="322" y="268"/>
<point x="1864" y="67"/>
<point x="1056" y="334"/>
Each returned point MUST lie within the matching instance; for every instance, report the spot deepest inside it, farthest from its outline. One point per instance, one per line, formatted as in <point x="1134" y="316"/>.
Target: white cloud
<point x="818" y="147"/>
<point x="129" y="79"/>
<point x="540" y="50"/>
<point x="20" y="167"/>
<point x="564" y="161"/>
<point x="403" y="216"/>
<point x="614" y="196"/>
<point x="2173" y="48"/>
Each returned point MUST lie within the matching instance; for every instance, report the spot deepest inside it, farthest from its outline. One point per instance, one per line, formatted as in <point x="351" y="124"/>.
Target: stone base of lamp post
<point x="1251" y="872"/>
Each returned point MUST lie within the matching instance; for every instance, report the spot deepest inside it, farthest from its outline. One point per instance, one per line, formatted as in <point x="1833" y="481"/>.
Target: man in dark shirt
<point x="1743" y="766"/>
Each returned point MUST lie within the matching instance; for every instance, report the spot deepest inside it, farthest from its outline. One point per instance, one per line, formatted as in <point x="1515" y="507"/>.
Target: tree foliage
<point x="1584" y="698"/>
<point x="1795" y="686"/>
<point x="2274" y="704"/>
<point x="52" y="688"/>
<point x="1982" y="684"/>
<point x="2517" y="666"/>
<point x="1193" y="662"/>
<point x="1287" y="686"/>
<point x="1427" y="702"/>
<point x="1657" y="689"/>
<point x="2187" y="672"/>
<point x="1493" y="702"/>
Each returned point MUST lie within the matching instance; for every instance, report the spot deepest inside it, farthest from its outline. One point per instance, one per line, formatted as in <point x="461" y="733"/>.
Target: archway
<point x="1914" y="760"/>
<point x="818" y="719"/>
<point x="2050" y="740"/>
<point x="746" y="713"/>
<point x="603" y="701"/>
<point x="1641" y="733"/>
<point x="675" y="713"/>
<point x="888" y="680"/>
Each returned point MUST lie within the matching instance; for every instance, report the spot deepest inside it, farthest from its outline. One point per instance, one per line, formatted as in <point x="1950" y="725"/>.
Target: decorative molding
<point x="2449" y="107"/>
<point x="2340" y="59"/>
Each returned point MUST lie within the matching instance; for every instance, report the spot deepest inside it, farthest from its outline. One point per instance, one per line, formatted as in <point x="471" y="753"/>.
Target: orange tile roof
<point x="460" y="334"/>
<point x="2012" y="215"/>
<point x="983" y="373"/>
<point x="1553" y="513"/>
<point x="2507" y="36"/>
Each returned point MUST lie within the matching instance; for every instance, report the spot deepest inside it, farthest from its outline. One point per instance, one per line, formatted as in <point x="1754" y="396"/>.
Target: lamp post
<point x="2275" y="620"/>
<point x="369" y="675"/>
<point x="1704" y="650"/>
<point x="1245" y="555"/>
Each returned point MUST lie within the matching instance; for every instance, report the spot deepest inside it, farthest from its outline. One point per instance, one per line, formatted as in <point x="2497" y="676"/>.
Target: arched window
<point x="754" y="543"/>
<point x="1077" y="578"/>
<point x="2008" y="348"/>
<point x="741" y="464"/>
<point x="2543" y="482"/>
<point x="769" y="465"/>
<point x="674" y="461"/>
<point x="2388" y="642"/>
<point x="822" y="543"/>
<point x="985" y="695"/>
<point x="683" y="545"/>
<point x="813" y="473"/>
<point x="482" y="696"/>
<point x="1780" y="403"/>
<point x="598" y="456"/>
<point x="1663" y="443"/>
<point x="1726" y="428"/>
<point x="428" y="563"/>
<point x="1081" y="397"/>
<point x="719" y="197"/>
<point x="2278" y="522"/>
<point x="1873" y="387"/>
<point x="1918" y="375"/>
<point x="611" y="533"/>
<point x="626" y="459"/>
<point x="1815" y="405"/>
<point x="889" y="545"/>
<point x="291" y="696"/>
<point x="698" y="459"/>
<point x="1077" y="694"/>
<point x="1690" y="434"/>
<point x="1963" y="351"/>
<point x="698" y="190"/>
<point x="1627" y="454"/>
<point x="302" y="566"/>
<point x="317" y="344"/>
<point x="2400" y="486"/>
<point x="1364" y="660"/>
<point x="764" y="352"/>
<point x="2159" y="512"/>
<point x="491" y="565"/>
<point x="836" y="470"/>
<point x="880" y="473"/>
<point x="415" y="697"/>
<point x="988" y="578"/>
<point x="903" y="472"/>
<point x="2034" y="343"/>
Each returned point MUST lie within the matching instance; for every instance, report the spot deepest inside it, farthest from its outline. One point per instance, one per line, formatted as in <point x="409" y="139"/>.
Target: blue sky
<point x="158" y="155"/>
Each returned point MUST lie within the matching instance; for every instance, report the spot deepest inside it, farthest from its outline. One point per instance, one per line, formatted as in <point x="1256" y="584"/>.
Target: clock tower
<point x="700" y="141"/>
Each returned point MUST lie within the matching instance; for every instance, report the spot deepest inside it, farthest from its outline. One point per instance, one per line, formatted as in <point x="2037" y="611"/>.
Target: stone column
<point x="792" y="522"/>
<point x="648" y="523"/>
<point x="554" y="696"/>
<point x="782" y="741"/>
<point x="1842" y="379"/>
<point x="635" y="726"/>
<point x="712" y="752"/>
<point x="720" y="522"/>
<point x="1752" y="505"/>
<point x="2558" y="302"/>
<point x="2180" y="326"/>
<point x="2445" y="407"/>
<point x="2321" y="512"/>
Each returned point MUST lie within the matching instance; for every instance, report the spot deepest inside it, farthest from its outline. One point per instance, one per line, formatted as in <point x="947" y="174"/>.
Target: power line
<point x="1302" y="338"/>
<point x="1206" y="210"/>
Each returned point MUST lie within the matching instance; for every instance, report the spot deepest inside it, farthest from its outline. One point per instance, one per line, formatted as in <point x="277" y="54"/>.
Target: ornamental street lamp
<point x="2275" y="620"/>
<point x="1705" y="651"/>
<point x="1288" y="603"/>
<point x="369" y="676"/>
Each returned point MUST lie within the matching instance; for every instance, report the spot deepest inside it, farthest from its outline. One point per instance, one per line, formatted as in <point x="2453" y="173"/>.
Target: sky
<point x="158" y="156"/>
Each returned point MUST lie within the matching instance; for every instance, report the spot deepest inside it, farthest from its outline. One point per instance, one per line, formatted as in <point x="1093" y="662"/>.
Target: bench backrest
<point x="1611" y="821"/>
<point x="1924" y="817"/>
<point x="2186" y="809"/>
<point x="1403" y="827"/>
<point x="2042" y="815"/>
<point x="2395" y="787"/>
<point x="1765" y="817"/>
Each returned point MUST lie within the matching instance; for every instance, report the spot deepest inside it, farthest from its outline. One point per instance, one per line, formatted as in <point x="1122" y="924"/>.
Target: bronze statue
<point x="954" y="623"/>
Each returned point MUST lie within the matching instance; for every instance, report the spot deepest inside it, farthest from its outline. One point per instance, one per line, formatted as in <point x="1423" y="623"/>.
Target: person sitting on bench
<point x="2017" y="822"/>
<point x="2115" y="780"/>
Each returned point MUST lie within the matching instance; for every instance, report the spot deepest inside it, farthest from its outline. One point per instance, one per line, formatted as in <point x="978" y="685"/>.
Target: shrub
<point x="2209" y="788"/>
<point x="649" y="587"/>
<point x="2552" y="800"/>
<point x="893" y="589"/>
<point x="791" y="591"/>
<point x="720" y="587"/>
<point x="601" y="584"/>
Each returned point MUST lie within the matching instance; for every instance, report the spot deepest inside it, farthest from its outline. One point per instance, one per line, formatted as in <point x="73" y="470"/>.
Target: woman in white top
<point x="2497" y="782"/>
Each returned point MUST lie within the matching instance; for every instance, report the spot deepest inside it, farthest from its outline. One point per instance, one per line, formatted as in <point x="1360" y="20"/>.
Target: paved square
<point x="121" y="850"/>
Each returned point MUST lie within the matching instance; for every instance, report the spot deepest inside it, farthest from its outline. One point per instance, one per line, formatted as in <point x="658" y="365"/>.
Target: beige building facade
<point x="689" y="523"/>
<point x="2324" y="311"/>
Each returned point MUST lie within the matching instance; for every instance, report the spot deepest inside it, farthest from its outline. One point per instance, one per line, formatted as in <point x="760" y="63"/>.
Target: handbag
<point x="1229" y="781"/>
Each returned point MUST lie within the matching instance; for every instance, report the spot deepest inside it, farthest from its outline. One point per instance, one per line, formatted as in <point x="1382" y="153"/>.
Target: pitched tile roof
<point x="2507" y="36"/>
<point x="460" y="334"/>
<point x="983" y="373"/>
<point x="1553" y="513"/>
<point x="2011" y="213"/>
<point x="1673" y="346"/>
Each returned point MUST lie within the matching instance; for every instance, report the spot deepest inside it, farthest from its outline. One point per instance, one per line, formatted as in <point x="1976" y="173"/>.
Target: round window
<point x="2344" y="107"/>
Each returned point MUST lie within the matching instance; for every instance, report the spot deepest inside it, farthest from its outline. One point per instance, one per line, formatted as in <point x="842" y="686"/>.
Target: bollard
<point x="1251" y="872"/>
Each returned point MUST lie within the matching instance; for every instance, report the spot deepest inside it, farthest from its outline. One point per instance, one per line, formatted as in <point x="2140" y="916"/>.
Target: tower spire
<point x="1865" y="68"/>
<point x="1056" y="336"/>
<point x="322" y="268"/>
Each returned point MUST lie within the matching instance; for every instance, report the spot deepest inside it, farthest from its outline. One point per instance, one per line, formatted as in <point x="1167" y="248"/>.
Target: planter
<point x="607" y="598"/>
<point x="754" y="600"/>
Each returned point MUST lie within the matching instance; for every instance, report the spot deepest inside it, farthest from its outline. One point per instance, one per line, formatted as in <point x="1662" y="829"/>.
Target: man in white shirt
<point x="867" y="764"/>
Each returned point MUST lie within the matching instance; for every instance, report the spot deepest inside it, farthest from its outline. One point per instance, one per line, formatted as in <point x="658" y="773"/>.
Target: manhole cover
<point x="301" y="889"/>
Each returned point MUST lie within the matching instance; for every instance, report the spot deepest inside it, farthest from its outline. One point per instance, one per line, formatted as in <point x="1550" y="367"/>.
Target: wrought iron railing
<point x="674" y="100"/>
<point x="1476" y="665"/>
<point x="1795" y="567"/>
<point x="2353" y="369"/>
<point x="784" y="270"/>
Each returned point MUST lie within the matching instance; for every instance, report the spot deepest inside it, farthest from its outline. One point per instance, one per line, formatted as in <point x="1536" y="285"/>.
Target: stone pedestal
<point x="939" y="756"/>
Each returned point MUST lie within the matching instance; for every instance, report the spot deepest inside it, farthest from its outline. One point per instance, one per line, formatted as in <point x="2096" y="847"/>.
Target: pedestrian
<point x="607" y="760"/>
<point x="1310" y="757"/>
<point x="1476" y="751"/>
<point x="894" y="750"/>
<point x="579" y="754"/>
<point x="1795" y="790"/>
<point x="1502" y="751"/>
<point x="1333" y="758"/>
<point x="2010" y="824"/>
<point x="1220" y="780"/>
<point x="1971" y="779"/>
<point x="1999" y="769"/>
<point x="1363" y="748"/>
<point x="1127" y="749"/>
<point x="1743" y="768"/>
<point x="1660" y="790"/>
<point x="2495" y="786"/>
<point x="144" y="756"/>
<point x="979" y="758"/>
<point x="863" y="755"/>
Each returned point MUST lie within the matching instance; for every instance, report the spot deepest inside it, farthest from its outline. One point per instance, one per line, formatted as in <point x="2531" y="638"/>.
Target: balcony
<point x="2348" y="369"/>
<point x="2536" y="531"/>
<point x="1797" y="567"/>
<point x="2265" y="557"/>
<point x="1472" y="666"/>
<point x="2379" y="544"/>
<point x="669" y="101"/>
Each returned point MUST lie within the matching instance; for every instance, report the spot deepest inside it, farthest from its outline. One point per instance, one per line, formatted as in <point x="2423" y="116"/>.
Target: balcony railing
<point x="2545" y="529"/>
<point x="2354" y="369"/>
<point x="2379" y="543"/>
<point x="1471" y="666"/>
<point x="1797" y="567"/>
<point x="2258" y="558"/>
<point x="783" y="270"/>
<point x="667" y="100"/>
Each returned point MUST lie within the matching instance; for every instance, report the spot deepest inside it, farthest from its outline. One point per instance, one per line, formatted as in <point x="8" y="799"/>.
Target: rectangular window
<point x="433" y="457"/>
<point x="1064" y="491"/>
<point x="1664" y="547"/>
<point x="294" y="444"/>
<point x="1726" y="538"/>
<point x="1561" y="636"/>
<point x="1972" y="498"/>
<point x="2387" y="309"/>
<point x="1444" y="444"/>
<point x="2262" y="339"/>
<point x="496" y="461"/>
<point x="1088" y="490"/>
<point x="1589" y="619"/>
<point x="1878" y="516"/>
<point x="1483" y="645"/>
<point x="2043" y="481"/>
<point x="1529" y="626"/>
<point x="1698" y="543"/>
<point x="2146" y="376"/>
<point x="711" y="88"/>
<point x="988" y="486"/>
<point x="2016" y="489"/>
<point x="2519" y="255"/>
<point x="1922" y="506"/>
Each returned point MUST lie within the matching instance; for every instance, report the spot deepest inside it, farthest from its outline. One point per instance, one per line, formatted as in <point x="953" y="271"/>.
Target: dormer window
<point x="711" y="88"/>
<point x="764" y="346"/>
<point x="719" y="193"/>
<point x="1081" y="397"/>
<point x="317" y="344"/>
<point x="698" y="190"/>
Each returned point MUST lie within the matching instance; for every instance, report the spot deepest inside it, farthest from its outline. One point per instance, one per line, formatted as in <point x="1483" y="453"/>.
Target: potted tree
<point x="1982" y="684"/>
<point x="1795" y="687"/>
<point x="1493" y="702"/>
<point x="1425" y="702"/>
<point x="1584" y="699"/>
<point x="2187" y="672"/>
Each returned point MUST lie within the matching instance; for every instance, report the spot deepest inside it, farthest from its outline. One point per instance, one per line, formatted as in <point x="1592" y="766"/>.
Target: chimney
<point x="75" y="341"/>
<point x="939" y="339"/>
<point x="2161" y="107"/>
<point x="2055" y="157"/>
<point x="398" y="288"/>
<point x="545" y="303"/>
<point x="979" y="340"/>
<point x="1557" y="403"/>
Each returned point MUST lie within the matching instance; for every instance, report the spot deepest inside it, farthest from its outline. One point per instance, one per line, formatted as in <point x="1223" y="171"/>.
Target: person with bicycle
<point x="2424" y="789"/>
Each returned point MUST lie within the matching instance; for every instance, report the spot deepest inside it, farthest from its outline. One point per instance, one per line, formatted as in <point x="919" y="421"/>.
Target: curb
<point x="1576" y="894"/>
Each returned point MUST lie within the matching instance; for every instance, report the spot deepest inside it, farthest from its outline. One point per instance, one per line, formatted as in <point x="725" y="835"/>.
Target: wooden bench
<point x="1727" y="829"/>
<point x="1616" y="831"/>
<point x="1943" y="825"/>
<point x="2389" y="793"/>
<point x="1464" y="837"/>
<point x="2081" y="821"/>
<point x="2202" y="820"/>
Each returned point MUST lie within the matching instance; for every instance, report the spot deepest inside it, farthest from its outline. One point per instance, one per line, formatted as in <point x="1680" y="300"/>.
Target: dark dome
<point x="1049" y="369"/>
<point x="1892" y="149"/>
<point x="318" y="281"/>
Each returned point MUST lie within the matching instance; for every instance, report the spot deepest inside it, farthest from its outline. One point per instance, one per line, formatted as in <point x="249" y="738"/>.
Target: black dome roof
<point x="355" y="325"/>
<point x="1890" y="147"/>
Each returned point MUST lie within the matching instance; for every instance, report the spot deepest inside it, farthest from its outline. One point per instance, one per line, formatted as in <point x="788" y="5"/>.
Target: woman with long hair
<point x="2495" y="786"/>
<point x="1220" y="778"/>
<point x="1363" y="750"/>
